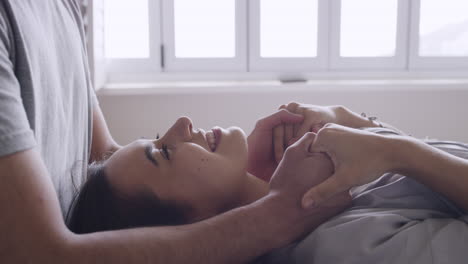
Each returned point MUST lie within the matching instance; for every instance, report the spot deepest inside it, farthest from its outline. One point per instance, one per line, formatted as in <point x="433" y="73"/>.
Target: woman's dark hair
<point x="99" y="207"/>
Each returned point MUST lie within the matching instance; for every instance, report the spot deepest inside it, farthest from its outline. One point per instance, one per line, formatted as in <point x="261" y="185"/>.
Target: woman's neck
<point x="253" y="190"/>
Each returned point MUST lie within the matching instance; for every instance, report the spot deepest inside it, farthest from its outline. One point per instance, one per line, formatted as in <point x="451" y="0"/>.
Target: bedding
<point x="393" y="220"/>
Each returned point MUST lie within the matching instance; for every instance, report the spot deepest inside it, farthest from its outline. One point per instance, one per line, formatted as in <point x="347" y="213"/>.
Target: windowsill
<point x="185" y="87"/>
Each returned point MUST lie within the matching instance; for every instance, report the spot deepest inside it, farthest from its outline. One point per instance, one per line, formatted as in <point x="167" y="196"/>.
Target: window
<point x="439" y="34"/>
<point x="369" y="34"/>
<point x="288" y="29"/>
<point x="288" y="35"/>
<point x="133" y="31"/>
<point x="205" y="35"/>
<point x="368" y="28"/>
<point x="132" y="35"/>
<point x="281" y="36"/>
<point x="443" y="28"/>
<point x="205" y="28"/>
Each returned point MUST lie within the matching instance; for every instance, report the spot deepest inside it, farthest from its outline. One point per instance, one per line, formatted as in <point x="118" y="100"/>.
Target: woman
<point x="185" y="176"/>
<point x="189" y="175"/>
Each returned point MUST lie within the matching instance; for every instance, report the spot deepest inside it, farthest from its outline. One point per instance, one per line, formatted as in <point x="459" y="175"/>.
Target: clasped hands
<point x="286" y="147"/>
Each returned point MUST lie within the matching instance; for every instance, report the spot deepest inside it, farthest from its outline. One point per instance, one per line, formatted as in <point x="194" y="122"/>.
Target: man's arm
<point x="102" y="144"/>
<point x="33" y="230"/>
<point x="351" y="148"/>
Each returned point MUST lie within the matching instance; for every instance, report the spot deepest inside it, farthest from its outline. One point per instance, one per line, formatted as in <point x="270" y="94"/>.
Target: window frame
<point x="418" y="63"/>
<point x="259" y="64"/>
<point x="173" y="64"/>
<point x="397" y="62"/>
<point x="146" y="65"/>
<point x="249" y="66"/>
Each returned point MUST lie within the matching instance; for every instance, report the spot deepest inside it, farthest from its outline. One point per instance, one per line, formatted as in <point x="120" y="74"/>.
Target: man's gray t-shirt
<point x="45" y="91"/>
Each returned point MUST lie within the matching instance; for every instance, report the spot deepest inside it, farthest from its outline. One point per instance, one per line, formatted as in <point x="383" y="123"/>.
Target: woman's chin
<point x="237" y="130"/>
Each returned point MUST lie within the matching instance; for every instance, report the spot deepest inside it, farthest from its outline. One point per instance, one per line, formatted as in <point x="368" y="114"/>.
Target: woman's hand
<point x="359" y="157"/>
<point x="315" y="117"/>
<point x="261" y="158"/>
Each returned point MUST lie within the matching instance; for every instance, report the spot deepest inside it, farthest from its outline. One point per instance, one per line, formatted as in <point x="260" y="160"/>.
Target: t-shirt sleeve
<point x="15" y="132"/>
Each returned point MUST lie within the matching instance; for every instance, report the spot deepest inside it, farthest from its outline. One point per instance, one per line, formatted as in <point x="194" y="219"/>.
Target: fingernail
<point x="308" y="203"/>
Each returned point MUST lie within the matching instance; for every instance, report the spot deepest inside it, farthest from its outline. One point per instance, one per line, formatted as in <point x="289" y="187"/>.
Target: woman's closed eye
<point x="165" y="152"/>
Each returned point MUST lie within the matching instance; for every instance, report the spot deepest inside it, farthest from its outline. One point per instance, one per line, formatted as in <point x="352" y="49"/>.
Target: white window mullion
<point x="150" y="64"/>
<point x="418" y="62"/>
<point x="206" y="64"/>
<point x="396" y="62"/>
<point x="259" y="63"/>
<point x="334" y="35"/>
<point x="155" y="36"/>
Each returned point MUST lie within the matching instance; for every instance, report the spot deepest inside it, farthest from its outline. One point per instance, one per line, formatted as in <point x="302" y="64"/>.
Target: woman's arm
<point x="315" y="117"/>
<point x="261" y="161"/>
<point x="439" y="170"/>
<point x="354" y="120"/>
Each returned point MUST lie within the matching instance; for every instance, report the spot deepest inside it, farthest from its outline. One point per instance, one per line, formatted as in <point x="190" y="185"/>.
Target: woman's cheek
<point x="197" y="166"/>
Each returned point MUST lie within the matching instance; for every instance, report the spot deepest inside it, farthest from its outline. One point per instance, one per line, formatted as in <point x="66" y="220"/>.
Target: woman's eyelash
<point x="165" y="152"/>
<point x="164" y="149"/>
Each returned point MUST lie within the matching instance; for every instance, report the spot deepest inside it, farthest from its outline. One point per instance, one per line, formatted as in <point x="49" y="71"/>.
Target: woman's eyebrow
<point x="149" y="155"/>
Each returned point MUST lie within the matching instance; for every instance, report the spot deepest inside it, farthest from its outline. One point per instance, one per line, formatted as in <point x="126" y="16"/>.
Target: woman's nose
<point x="182" y="129"/>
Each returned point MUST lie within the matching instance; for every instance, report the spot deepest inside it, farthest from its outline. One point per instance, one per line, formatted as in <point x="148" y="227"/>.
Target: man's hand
<point x="261" y="159"/>
<point x="299" y="170"/>
<point x="358" y="156"/>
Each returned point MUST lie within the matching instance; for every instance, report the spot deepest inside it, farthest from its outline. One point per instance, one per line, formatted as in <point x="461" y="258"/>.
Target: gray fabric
<point x="45" y="90"/>
<point x="393" y="220"/>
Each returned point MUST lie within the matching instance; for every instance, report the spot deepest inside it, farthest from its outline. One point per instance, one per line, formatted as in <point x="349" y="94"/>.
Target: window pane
<point x="126" y="29"/>
<point x="288" y="28"/>
<point x="368" y="28"/>
<point x="205" y="28"/>
<point x="443" y="28"/>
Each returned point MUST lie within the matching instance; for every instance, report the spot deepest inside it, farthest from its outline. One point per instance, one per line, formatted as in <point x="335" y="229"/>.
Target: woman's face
<point x="203" y="170"/>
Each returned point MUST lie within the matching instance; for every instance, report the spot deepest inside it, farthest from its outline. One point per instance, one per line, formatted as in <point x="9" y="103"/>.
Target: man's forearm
<point x="32" y="229"/>
<point x="103" y="144"/>
<point x="237" y="236"/>
<point x="439" y="170"/>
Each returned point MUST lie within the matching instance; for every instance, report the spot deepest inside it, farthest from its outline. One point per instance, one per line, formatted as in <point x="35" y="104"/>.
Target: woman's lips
<point x="218" y="133"/>
<point x="213" y="137"/>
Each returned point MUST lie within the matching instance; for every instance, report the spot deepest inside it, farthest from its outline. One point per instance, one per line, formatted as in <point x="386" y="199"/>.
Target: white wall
<point x="435" y="109"/>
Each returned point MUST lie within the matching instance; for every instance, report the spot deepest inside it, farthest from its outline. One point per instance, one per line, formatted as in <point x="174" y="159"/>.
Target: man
<point x="51" y="126"/>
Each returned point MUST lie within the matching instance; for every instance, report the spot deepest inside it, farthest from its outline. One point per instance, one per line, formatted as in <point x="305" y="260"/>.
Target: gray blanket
<point x="393" y="220"/>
